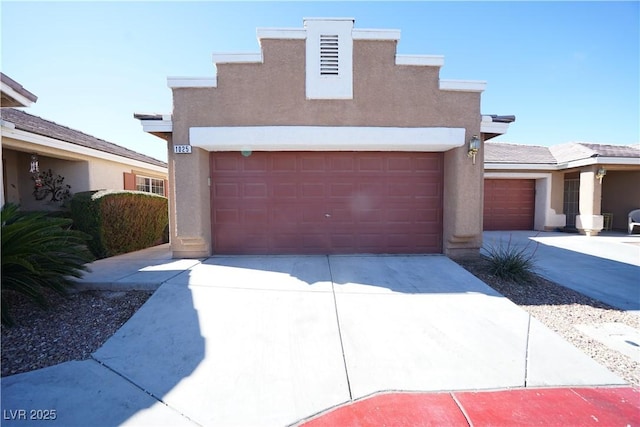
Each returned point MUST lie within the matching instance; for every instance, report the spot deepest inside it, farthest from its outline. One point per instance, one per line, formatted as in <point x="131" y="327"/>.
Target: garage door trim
<point x="326" y="138"/>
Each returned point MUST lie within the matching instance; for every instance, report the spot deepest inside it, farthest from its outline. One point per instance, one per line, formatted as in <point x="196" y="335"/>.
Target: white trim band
<point x="151" y="126"/>
<point x="281" y="33"/>
<point x="179" y="82"/>
<point x="373" y="34"/>
<point x="626" y="161"/>
<point x="423" y="60"/>
<point x="326" y="138"/>
<point x="236" y="58"/>
<point x="463" y="85"/>
<point x="490" y="166"/>
<point x="494" y="127"/>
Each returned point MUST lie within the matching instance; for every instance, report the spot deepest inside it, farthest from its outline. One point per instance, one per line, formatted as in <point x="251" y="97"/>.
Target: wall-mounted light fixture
<point x="601" y="173"/>
<point x="474" y="146"/>
<point x="35" y="166"/>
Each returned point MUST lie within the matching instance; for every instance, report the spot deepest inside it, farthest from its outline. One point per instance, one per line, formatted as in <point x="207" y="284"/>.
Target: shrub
<point x="510" y="262"/>
<point x="39" y="252"/>
<point x="120" y="221"/>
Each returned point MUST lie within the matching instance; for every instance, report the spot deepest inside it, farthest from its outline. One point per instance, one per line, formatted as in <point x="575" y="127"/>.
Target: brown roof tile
<point x="34" y="124"/>
<point x="497" y="152"/>
<point x="581" y="150"/>
<point x="17" y="87"/>
<point x="500" y="152"/>
<point x="613" y="150"/>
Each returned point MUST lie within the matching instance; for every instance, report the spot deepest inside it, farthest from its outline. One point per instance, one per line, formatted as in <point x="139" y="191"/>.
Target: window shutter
<point x="129" y="181"/>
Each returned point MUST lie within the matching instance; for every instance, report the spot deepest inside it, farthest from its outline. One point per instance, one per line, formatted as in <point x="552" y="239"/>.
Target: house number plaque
<point x="182" y="149"/>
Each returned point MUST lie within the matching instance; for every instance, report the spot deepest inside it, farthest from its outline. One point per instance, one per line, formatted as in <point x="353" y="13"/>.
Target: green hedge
<point x="120" y="221"/>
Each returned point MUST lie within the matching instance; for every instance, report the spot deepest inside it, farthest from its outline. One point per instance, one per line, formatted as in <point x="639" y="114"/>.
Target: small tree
<point x="45" y="184"/>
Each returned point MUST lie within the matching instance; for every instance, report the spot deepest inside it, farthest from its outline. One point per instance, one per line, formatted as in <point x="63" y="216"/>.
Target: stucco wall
<point x="10" y="164"/>
<point x="83" y="174"/>
<point x="273" y="93"/>
<point x="620" y="195"/>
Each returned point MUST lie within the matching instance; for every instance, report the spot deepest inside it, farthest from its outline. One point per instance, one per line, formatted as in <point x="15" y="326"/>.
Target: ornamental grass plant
<point x="510" y="262"/>
<point x="39" y="253"/>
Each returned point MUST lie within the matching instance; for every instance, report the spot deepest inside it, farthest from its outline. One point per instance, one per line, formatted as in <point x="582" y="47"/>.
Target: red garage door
<point x="509" y="204"/>
<point x="326" y="202"/>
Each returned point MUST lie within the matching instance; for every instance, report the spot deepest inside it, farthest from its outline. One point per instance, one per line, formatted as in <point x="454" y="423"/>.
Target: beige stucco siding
<point x="81" y="172"/>
<point x="273" y="94"/>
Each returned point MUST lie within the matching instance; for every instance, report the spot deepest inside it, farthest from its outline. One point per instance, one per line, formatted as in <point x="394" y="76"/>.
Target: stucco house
<point x="326" y="141"/>
<point x="582" y="186"/>
<point x="85" y="162"/>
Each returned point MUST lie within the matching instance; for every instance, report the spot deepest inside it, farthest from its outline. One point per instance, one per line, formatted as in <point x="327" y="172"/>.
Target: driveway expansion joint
<point x="335" y="305"/>
<point x="145" y="391"/>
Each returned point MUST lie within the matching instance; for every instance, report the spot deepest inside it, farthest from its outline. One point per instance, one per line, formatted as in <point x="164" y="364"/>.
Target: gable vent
<point x="329" y="55"/>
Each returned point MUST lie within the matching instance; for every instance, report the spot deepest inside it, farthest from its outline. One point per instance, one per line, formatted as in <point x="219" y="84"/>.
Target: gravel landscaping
<point x="71" y="329"/>
<point x="76" y="326"/>
<point x="561" y="310"/>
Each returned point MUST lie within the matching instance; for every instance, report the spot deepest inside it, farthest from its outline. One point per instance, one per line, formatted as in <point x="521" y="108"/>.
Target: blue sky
<point x="569" y="71"/>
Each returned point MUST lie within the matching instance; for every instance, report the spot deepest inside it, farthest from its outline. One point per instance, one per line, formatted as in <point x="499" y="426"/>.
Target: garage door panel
<point x="255" y="190"/>
<point x="370" y="164"/>
<point x="225" y="163"/>
<point x="509" y="204"/>
<point x="285" y="218"/>
<point x="402" y="165"/>
<point x="329" y="202"/>
<point x="314" y="190"/>
<point x="313" y="164"/>
<point x="285" y="190"/>
<point x="341" y="190"/>
<point x="226" y="189"/>
<point x="228" y="216"/>
<point x="341" y="164"/>
<point x="255" y="215"/>
<point x="285" y="163"/>
<point x="255" y="164"/>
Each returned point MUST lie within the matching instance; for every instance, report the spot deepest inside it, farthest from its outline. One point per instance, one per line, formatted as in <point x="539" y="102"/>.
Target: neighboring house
<point x="580" y="186"/>
<point x="85" y="162"/>
<point x="326" y="141"/>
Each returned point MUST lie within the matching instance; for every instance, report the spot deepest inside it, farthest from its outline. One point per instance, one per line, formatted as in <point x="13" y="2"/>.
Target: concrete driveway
<point x="604" y="267"/>
<point x="249" y="341"/>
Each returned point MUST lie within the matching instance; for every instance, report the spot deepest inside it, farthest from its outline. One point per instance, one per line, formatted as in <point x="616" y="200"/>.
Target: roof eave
<point x="15" y="93"/>
<point x="160" y="125"/>
<point x="49" y="143"/>
<point x="520" y="166"/>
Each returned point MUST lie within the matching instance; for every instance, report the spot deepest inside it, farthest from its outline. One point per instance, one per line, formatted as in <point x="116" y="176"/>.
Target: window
<point x="150" y="185"/>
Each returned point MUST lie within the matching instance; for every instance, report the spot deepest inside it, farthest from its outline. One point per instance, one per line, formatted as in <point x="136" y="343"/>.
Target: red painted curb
<point x="584" y="406"/>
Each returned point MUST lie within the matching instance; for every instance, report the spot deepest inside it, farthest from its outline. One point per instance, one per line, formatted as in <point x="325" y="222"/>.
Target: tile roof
<point x="613" y="150"/>
<point x="7" y="99"/>
<point x="498" y="152"/>
<point x="34" y="124"/>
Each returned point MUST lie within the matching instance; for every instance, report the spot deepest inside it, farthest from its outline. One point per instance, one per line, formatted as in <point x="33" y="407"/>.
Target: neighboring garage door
<point x="326" y="202"/>
<point x="509" y="204"/>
